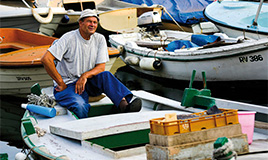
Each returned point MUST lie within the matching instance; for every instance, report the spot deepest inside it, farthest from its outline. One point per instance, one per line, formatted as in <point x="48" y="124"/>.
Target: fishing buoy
<point x="132" y="60"/>
<point x="20" y="156"/>
<point x="46" y="111"/>
<point x="150" y="64"/>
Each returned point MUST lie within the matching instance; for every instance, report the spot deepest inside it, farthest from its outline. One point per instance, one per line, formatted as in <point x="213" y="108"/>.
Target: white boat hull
<point x="24" y="22"/>
<point x="22" y="17"/>
<point x="232" y="32"/>
<point x="237" y="62"/>
<point x="18" y="81"/>
<point x="236" y="68"/>
<point x="49" y="29"/>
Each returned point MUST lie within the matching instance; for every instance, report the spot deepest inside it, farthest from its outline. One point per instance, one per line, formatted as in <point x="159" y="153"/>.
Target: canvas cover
<point x="197" y="40"/>
<point x="183" y="11"/>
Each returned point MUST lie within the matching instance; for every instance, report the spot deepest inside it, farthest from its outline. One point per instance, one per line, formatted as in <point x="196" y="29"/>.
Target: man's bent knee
<point x="80" y="109"/>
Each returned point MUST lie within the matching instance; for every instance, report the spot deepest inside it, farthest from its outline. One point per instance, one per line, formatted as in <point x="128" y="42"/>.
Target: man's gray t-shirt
<point x="77" y="55"/>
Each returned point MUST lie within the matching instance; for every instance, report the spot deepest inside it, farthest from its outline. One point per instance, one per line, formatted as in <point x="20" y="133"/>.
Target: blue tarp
<point x="178" y="44"/>
<point x="196" y="41"/>
<point x="201" y="40"/>
<point x="183" y="11"/>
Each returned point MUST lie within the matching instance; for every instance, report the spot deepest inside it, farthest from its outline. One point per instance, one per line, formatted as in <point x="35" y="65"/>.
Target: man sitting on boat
<point x="81" y="55"/>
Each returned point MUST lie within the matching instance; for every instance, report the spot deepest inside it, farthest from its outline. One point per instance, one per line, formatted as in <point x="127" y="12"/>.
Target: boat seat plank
<point x="165" y="101"/>
<point x="15" y="45"/>
<point x="88" y="128"/>
<point x="222" y="103"/>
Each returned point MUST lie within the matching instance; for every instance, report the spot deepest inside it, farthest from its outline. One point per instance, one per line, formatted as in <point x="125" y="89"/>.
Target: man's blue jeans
<point x="104" y="82"/>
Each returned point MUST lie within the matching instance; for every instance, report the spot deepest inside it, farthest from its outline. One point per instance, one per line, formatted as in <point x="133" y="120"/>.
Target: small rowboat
<point x="20" y="65"/>
<point x="107" y="134"/>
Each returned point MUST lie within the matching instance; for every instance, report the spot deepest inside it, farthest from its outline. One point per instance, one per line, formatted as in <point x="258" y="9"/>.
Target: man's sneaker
<point x="134" y="106"/>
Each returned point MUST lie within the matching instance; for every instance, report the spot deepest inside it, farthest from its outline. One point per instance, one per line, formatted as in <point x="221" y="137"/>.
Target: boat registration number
<point x="24" y="78"/>
<point x="253" y="58"/>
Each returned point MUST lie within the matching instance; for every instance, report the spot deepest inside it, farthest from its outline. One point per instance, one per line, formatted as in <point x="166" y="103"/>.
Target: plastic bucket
<point x="247" y="119"/>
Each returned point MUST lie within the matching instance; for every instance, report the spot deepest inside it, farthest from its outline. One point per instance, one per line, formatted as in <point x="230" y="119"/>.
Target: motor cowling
<point x="150" y="20"/>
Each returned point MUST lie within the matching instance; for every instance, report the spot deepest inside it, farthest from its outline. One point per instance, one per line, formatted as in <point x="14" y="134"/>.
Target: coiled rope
<point x="42" y="100"/>
<point x="225" y="152"/>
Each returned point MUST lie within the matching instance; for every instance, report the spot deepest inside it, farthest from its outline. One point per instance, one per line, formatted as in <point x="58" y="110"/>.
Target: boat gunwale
<point x="196" y="59"/>
<point x="211" y="55"/>
<point x="30" y="144"/>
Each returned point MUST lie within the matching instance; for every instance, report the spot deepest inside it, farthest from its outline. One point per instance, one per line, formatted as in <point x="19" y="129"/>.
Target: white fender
<point x="151" y="64"/>
<point x="20" y="156"/>
<point x="132" y="60"/>
<point x="43" y="20"/>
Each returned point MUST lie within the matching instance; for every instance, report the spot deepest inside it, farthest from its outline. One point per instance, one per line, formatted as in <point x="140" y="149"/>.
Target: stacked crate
<point x="193" y="138"/>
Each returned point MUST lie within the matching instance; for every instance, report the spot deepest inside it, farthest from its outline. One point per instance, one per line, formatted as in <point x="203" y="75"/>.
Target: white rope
<point x="1" y="40"/>
<point x="26" y="4"/>
<point x="221" y="152"/>
<point x="40" y="132"/>
<point x="173" y="19"/>
<point x="42" y="100"/>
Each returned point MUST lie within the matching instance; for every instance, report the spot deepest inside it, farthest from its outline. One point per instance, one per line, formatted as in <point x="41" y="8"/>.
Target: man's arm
<point x="80" y="84"/>
<point x="48" y="62"/>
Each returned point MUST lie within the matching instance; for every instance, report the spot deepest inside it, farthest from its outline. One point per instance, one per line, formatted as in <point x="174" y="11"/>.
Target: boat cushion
<point x="202" y="40"/>
<point x="179" y="44"/>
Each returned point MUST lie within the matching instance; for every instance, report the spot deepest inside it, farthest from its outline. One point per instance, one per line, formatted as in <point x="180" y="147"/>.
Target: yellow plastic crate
<point x="203" y="121"/>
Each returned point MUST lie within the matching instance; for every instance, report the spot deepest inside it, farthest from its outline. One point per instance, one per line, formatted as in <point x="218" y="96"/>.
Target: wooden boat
<point x="114" y="136"/>
<point x="20" y="65"/>
<point x="20" y="61"/>
<point x="110" y="12"/>
<point x="45" y="18"/>
<point x="167" y="54"/>
<point x="239" y="18"/>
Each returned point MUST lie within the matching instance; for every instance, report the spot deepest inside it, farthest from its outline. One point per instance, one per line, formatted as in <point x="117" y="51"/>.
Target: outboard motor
<point x="150" y="21"/>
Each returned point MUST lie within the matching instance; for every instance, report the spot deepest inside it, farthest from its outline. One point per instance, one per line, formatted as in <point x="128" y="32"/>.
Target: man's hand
<point x="60" y="88"/>
<point x="80" y="85"/>
<point x="48" y="62"/>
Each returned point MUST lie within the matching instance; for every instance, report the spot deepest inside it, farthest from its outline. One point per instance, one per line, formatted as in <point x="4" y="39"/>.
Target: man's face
<point x="89" y="25"/>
